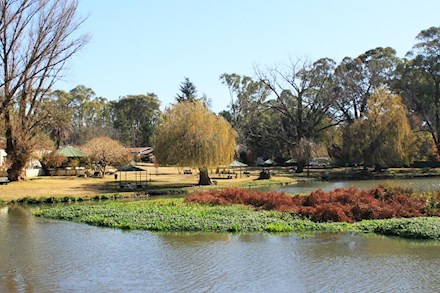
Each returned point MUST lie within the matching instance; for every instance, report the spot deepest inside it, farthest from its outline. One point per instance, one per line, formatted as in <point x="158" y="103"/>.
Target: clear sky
<point x="141" y="46"/>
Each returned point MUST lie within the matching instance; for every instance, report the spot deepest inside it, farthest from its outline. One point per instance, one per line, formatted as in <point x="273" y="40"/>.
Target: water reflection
<point x="368" y="262"/>
<point x="419" y="184"/>
<point x="38" y="255"/>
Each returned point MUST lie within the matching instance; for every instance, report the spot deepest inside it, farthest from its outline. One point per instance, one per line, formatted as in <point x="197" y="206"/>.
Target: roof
<point x="270" y="162"/>
<point x="140" y="150"/>
<point x="70" y="152"/>
<point x="237" y="164"/>
<point x="130" y="168"/>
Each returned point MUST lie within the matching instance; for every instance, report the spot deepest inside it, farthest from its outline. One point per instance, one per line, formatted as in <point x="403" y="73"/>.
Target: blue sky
<point x="141" y="46"/>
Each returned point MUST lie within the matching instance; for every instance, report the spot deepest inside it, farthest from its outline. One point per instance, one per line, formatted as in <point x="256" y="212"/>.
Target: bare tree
<point x="104" y="151"/>
<point x="302" y="94"/>
<point x="37" y="37"/>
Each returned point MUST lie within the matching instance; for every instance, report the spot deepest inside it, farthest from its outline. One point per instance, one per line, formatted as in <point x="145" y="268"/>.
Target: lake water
<point x="419" y="184"/>
<point x="41" y="255"/>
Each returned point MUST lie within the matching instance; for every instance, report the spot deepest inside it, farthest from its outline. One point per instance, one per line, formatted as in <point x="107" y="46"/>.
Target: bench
<point x="4" y="180"/>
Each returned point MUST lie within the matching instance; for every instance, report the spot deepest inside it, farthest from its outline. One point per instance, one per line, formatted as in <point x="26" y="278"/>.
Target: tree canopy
<point x="188" y="91"/>
<point x="188" y="134"/>
<point x="104" y="151"/>
<point x="384" y="137"/>
<point x="418" y="81"/>
<point x="135" y="117"/>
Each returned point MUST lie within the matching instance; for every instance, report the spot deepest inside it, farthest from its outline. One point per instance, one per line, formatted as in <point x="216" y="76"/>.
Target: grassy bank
<point x="160" y="181"/>
<point x="176" y="215"/>
<point x="167" y="181"/>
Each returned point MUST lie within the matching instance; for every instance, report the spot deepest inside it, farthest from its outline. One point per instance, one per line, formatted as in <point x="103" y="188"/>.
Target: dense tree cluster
<point x="375" y="109"/>
<point x="80" y="116"/>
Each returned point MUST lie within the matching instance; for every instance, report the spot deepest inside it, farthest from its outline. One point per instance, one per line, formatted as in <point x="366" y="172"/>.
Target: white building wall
<point x="3" y="155"/>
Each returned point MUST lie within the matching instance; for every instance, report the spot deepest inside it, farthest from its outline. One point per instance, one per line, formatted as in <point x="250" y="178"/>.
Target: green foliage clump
<point x="417" y="228"/>
<point x="176" y="215"/>
<point x="67" y="199"/>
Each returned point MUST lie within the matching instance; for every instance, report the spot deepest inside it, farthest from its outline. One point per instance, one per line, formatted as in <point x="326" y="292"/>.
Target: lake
<point x="418" y="184"/>
<point x="41" y="255"/>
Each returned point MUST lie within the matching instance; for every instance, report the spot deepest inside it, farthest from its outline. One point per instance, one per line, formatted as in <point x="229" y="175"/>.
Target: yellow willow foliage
<point x="385" y="135"/>
<point x="188" y="134"/>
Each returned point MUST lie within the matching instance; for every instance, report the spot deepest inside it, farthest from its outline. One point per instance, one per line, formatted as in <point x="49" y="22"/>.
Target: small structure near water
<point x="124" y="177"/>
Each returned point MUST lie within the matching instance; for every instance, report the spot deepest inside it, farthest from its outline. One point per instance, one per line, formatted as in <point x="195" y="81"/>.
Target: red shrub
<point x="365" y="210"/>
<point x="331" y="213"/>
<point x="339" y="205"/>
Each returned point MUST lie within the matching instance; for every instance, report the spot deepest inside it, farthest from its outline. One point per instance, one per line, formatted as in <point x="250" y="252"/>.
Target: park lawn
<point x="163" y="180"/>
<point x="58" y="186"/>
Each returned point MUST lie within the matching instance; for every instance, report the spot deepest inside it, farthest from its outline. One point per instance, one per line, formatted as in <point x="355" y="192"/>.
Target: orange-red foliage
<point x="339" y="205"/>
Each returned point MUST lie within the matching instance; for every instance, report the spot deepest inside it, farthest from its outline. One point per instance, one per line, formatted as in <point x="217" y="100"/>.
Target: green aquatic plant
<point x="176" y="215"/>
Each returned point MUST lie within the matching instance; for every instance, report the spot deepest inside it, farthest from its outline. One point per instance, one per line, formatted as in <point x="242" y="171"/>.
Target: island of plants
<point x="383" y="210"/>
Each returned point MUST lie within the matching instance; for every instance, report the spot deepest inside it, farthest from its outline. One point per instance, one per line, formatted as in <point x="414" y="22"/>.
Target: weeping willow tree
<point x="188" y="134"/>
<point x="384" y="137"/>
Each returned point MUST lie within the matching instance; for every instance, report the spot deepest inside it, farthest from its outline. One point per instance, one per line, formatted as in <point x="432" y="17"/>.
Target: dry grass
<point x="162" y="177"/>
<point x="52" y="186"/>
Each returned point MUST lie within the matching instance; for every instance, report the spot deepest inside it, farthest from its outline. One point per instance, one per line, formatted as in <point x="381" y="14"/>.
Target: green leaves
<point x="175" y="215"/>
<point x="135" y="117"/>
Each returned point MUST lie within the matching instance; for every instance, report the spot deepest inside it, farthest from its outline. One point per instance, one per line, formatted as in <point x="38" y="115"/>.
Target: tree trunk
<point x="378" y="168"/>
<point x="17" y="148"/>
<point x="16" y="171"/>
<point x="204" y="177"/>
<point x="300" y="166"/>
<point x="18" y="156"/>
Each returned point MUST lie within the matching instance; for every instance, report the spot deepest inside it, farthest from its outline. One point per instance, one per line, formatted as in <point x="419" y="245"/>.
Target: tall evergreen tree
<point x="188" y="91"/>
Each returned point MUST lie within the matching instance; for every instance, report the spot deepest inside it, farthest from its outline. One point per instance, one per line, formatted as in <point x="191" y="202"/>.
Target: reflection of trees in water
<point x="17" y="227"/>
<point x="180" y="239"/>
<point x="253" y="237"/>
<point x="14" y="282"/>
<point x="200" y="238"/>
<point x="20" y="215"/>
<point x="323" y="245"/>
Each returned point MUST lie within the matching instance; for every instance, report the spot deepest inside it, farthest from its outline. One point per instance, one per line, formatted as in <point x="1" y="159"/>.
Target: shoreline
<point x="153" y="192"/>
<point x="173" y="186"/>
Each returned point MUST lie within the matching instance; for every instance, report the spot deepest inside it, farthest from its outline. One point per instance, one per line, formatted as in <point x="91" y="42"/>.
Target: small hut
<point x="270" y="163"/>
<point x="72" y="154"/>
<point x="139" y="180"/>
<point x="237" y="164"/>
